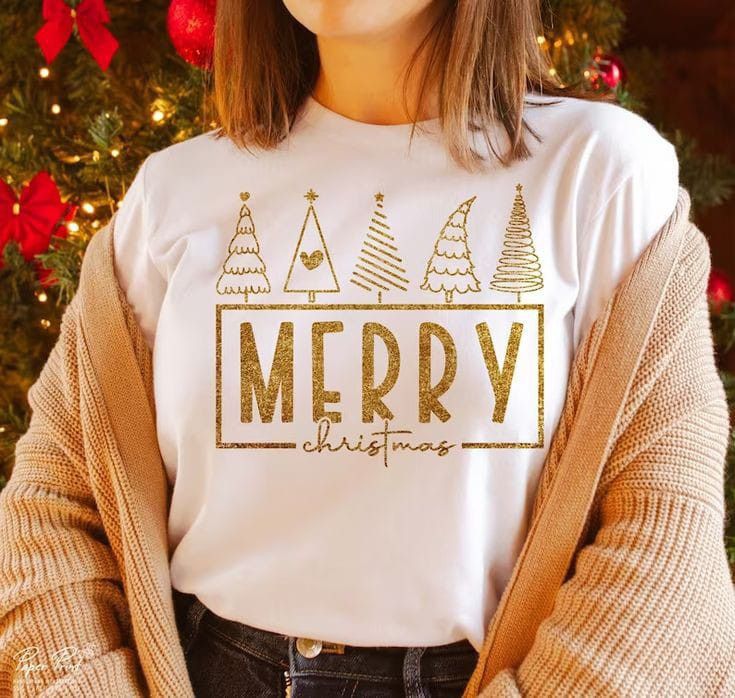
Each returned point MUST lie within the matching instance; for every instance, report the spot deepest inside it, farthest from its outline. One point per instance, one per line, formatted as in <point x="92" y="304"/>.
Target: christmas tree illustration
<point x="311" y="269"/>
<point x="450" y="266"/>
<point x="243" y="271"/>
<point x="519" y="269"/>
<point x="378" y="266"/>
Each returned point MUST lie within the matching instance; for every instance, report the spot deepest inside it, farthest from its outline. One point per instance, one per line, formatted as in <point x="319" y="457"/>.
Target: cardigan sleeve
<point x="64" y="621"/>
<point x="649" y="605"/>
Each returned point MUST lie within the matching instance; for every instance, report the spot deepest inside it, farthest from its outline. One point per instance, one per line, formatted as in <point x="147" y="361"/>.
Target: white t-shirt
<point x="361" y="353"/>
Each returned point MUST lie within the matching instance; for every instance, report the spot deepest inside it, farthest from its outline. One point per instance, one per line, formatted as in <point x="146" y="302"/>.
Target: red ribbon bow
<point x="90" y="17"/>
<point x="32" y="218"/>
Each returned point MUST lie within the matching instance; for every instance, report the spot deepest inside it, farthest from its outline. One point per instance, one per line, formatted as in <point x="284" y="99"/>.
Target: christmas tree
<point x="74" y="130"/>
<point x="243" y="271"/>
<point x="378" y="267"/>
<point x="311" y="269"/>
<point x="519" y="269"/>
<point x="450" y="266"/>
<point x="89" y="116"/>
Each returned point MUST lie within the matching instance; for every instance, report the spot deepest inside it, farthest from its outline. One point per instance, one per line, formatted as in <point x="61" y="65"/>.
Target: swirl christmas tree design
<point x="243" y="272"/>
<point x="519" y="269"/>
<point x="311" y="269"/>
<point x="450" y="268"/>
<point x="379" y="267"/>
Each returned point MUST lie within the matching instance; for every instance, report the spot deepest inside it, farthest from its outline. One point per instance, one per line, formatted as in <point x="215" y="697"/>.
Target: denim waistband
<point x="433" y="663"/>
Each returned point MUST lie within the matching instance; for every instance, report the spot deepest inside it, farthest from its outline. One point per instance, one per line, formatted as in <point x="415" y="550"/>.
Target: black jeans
<point x="226" y="658"/>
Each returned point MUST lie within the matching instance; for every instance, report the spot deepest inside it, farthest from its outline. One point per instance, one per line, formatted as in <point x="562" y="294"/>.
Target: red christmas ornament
<point x="719" y="289"/>
<point x="190" y="25"/>
<point x="609" y="70"/>
<point x="90" y="17"/>
<point x="33" y="217"/>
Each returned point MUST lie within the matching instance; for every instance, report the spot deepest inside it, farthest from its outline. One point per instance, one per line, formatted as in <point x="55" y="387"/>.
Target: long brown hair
<point x="484" y="55"/>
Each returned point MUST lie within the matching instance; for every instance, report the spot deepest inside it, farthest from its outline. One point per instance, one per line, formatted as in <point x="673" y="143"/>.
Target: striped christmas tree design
<point x="379" y="267"/>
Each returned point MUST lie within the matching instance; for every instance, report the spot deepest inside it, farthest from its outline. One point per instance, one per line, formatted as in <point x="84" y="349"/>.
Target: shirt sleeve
<point x="144" y="285"/>
<point x="617" y="233"/>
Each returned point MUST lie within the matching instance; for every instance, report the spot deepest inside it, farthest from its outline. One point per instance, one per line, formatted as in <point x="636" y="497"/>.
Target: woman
<point x="363" y="296"/>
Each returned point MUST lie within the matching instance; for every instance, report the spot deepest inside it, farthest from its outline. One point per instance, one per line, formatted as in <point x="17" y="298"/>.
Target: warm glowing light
<point x="541" y="39"/>
<point x="16" y="208"/>
<point x="586" y="73"/>
<point x="585" y="35"/>
<point x="157" y="115"/>
<point x="95" y="224"/>
<point x="3" y="121"/>
<point x="45" y="323"/>
<point x="55" y="109"/>
<point x="114" y="152"/>
<point x="74" y="227"/>
<point x="552" y="71"/>
<point x="44" y="72"/>
<point x="87" y="207"/>
<point x="557" y="43"/>
<point x="2" y="429"/>
<point x="42" y="297"/>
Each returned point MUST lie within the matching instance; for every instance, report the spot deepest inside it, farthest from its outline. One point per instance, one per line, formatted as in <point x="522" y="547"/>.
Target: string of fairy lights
<point x="553" y="45"/>
<point x="159" y="112"/>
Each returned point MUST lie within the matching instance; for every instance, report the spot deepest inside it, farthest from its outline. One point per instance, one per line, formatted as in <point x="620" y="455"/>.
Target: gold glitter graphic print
<point x="311" y="268"/>
<point x="519" y="269"/>
<point x="378" y="267"/>
<point x="450" y="268"/>
<point x="388" y="376"/>
<point x="243" y="272"/>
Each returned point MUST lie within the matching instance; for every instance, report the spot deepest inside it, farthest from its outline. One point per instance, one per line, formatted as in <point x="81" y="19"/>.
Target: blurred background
<point x="688" y="73"/>
<point x="88" y="88"/>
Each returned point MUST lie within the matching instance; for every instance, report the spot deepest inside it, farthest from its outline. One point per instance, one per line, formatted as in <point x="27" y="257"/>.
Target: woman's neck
<point x="362" y="78"/>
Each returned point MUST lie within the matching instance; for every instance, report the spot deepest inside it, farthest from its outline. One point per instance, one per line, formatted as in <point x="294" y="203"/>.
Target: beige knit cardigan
<point x="637" y="601"/>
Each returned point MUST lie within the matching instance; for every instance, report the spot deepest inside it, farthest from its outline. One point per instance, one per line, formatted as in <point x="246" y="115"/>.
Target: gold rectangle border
<point x="375" y="306"/>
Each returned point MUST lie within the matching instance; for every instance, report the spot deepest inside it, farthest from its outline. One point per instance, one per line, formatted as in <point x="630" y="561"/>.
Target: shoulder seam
<point x="627" y="172"/>
<point x="603" y="207"/>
